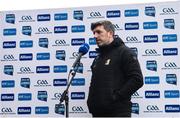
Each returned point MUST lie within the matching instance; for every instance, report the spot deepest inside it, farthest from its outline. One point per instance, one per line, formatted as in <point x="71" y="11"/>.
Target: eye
<point x="98" y="32"/>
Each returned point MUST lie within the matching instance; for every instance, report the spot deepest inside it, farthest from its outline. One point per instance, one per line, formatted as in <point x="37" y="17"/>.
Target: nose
<point x="95" y="35"/>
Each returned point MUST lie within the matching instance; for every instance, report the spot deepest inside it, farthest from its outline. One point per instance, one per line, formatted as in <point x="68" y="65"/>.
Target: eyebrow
<point x="98" y="31"/>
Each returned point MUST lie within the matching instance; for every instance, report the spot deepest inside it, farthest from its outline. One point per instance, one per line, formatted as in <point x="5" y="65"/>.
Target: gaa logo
<point x="27" y="19"/>
<point x="43" y="30"/>
<point x="25" y="69"/>
<point x="168" y="11"/>
<point x="95" y="14"/>
<point x="152" y="108"/>
<point x="150" y="51"/>
<point x="135" y="94"/>
<point x="132" y="39"/>
<point x="170" y="65"/>
<point x="9" y="57"/>
<point x="117" y="27"/>
<point x="57" y="95"/>
<point x="60" y="42"/>
<point x="75" y="54"/>
<point x="6" y="110"/>
<point x="40" y="82"/>
<point x="77" y="108"/>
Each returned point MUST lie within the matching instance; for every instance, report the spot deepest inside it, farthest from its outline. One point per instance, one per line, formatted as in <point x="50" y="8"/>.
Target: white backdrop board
<point x="38" y="48"/>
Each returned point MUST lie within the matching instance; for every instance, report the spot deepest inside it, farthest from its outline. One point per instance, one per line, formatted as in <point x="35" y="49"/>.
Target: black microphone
<point x="84" y="48"/>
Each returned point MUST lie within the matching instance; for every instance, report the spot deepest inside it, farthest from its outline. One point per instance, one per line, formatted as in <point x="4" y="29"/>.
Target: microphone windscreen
<point x="84" y="48"/>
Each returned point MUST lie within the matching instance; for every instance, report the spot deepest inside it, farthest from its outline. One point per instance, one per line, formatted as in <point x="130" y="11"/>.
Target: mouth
<point x="98" y="41"/>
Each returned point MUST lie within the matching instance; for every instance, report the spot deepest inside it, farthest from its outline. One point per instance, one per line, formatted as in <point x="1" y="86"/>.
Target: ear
<point x="110" y="34"/>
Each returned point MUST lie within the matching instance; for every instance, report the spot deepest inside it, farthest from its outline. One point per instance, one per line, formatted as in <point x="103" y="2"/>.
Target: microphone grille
<point x="84" y="48"/>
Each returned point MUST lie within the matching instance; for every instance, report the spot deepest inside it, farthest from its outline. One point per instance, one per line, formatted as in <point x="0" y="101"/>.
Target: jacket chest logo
<point x="107" y="62"/>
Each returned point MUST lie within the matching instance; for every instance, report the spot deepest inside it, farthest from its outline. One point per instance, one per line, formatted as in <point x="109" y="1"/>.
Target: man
<point x="116" y="74"/>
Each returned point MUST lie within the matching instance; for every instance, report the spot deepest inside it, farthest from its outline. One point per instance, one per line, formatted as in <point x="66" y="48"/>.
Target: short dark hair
<point x="108" y="26"/>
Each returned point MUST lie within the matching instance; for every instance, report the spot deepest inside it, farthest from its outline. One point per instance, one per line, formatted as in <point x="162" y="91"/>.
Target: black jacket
<point x="116" y="75"/>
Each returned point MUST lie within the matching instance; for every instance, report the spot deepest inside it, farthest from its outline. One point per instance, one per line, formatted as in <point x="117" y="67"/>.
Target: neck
<point x="110" y="40"/>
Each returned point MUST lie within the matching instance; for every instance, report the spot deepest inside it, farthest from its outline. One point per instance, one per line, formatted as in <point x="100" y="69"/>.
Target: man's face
<point x="102" y="36"/>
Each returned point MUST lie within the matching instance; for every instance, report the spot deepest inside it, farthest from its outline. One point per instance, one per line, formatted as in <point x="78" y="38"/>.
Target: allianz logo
<point x="26" y="56"/>
<point x="42" y="69"/>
